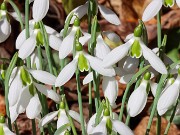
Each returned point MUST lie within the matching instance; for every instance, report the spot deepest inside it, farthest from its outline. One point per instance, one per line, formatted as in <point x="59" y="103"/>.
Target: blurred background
<point x="129" y="11"/>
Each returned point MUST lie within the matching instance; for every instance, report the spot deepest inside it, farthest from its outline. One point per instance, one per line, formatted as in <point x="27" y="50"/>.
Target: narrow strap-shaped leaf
<point x="99" y="112"/>
<point x="61" y="129"/>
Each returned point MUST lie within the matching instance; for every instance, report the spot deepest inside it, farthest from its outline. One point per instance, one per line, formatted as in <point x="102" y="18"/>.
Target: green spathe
<point x="135" y="50"/>
<point x="83" y="64"/>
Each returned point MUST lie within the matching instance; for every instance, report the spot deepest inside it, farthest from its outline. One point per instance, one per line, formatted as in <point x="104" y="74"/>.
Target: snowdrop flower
<point x="169" y="96"/>
<point x="138" y="98"/>
<point x="136" y="48"/>
<point x="82" y="61"/>
<point x="28" y="98"/>
<point x="67" y="44"/>
<point x="108" y="14"/>
<point x="5" y="27"/>
<point x="4" y="130"/>
<point x="26" y="47"/>
<point x="107" y="125"/>
<point x="153" y="8"/>
<point x="62" y="117"/>
<point x="40" y="9"/>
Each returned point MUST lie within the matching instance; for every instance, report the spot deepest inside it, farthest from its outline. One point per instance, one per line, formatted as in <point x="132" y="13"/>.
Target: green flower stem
<point x="16" y="128"/>
<point x="33" y="126"/>
<point x="80" y="102"/>
<point x="171" y="118"/>
<point x="158" y="92"/>
<point x="7" y="77"/>
<point x="28" y="60"/>
<point x="16" y="9"/>
<point x="128" y="119"/>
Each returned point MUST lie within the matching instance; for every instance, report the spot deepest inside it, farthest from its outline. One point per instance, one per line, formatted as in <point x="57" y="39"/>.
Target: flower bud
<point x="77" y="22"/>
<point x="138" y="31"/>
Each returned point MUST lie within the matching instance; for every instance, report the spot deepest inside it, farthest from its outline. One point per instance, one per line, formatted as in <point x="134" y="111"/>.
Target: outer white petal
<point x="20" y="39"/>
<point x="13" y="113"/>
<point x="34" y="107"/>
<point x="7" y="131"/>
<point x="5" y="29"/>
<point x="168" y="97"/>
<point x="153" y="59"/>
<point x="83" y="40"/>
<point x="91" y="123"/>
<point x="48" y="92"/>
<point x="137" y="100"/>
<point x="43" y="76"/>
<point x="131" y="64"/>
<point x="110" y="88"/>
<point x="55" y="42"/>
<point x="177" y="110"/>
<point x="67" y="45"/>
<point x="80" y="11"/>
<point x="112" y="36"/>
<point x="63" y="119"/>
<point x="178" y="2"/>
<point x="152" y="9"/>
<point x="100" y="129"/>
<point x="75" y="115"/>
<point x="27" y="47"/>
<point x="35" y="63"/>
<point x="97" y="65"/>
<point x="51" y="31"/>
<point x="109" y="15"/>
<point x="40" y="9"/>
<point x="101" y="49"/>
<point x="15" y="90"/>
<point x="13" y="74"/>
<point x="153" y="86"/>
<point x="66" y="73"/>
<point x="48" y="118"/>
<point x="126" y="78"/>
<point x="23" y="100"/>
<point x="117" y="54"/>
<point x="121" y="128"/>
<point x="128" y="37"/>
<point x="88" y="78"/>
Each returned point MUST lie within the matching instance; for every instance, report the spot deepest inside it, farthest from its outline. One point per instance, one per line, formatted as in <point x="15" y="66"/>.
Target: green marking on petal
<point x="168" y="3"/>
<point x="109" y="126"/>
<point x="2" y="119"/>
<point x="3" y="6"/>
<point x="32" y="89"/>
<point x="25" y="77"/>
<point x="83" y="64"/>
<point x="135" y="50"/>
<point x="2" y="130"/>
<point x="39" y="38"/>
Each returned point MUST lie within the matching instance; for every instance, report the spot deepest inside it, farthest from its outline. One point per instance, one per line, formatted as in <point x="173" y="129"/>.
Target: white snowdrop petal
<point x="55" y="42"/>
<point x="30" y="1"/>
<point x="91" y="123"/>
<point x="20" y="39"/>
<point x="120" y="71"/>
<point x="51" y="31"/>
<point x="7" y="131"/>
<point x="15" y="90"/>
<point x="43" y="76"/>
<point x="84" y="39"/>
<point x="27" y="47"/>
<point x="66" y="73"/>
<point x="97" y="65"/>
<point x="13" y="113"/>
<point x="48" y="92"/>
<point x="178" y="3"/>
<point x="5" y="29"/>
<point x="100" y="129"/>
<point x="101" y="49"/>
<point x="112" y="36"/>
<point x="40" y="9"/>
<point x="34" y="107"/>
<point x="13" y="74"/>
<point x="128" y="37"/>
<point x="109" y="15"/>
<point x="121" y="128"/>
<point x="126" y="78"/>
<point x="131" y="64"/>
<point x="137" y="100"/>
<point x="88" y="78"/>
<point x="152" y="9"/>
<point x="168" y="97"/>
<point x="35" y="63"/>
<point x="48" y="118"/>
<point x="110" y="88"/>
<point x="75" y="116"/>
<point x="153" y="59"/>
<point x="63" y="119"/>
<point x="23" y="100"/>
<point x="153" y="86"/>
<point x="67" y="45"/>
<point x="117" y="54"/>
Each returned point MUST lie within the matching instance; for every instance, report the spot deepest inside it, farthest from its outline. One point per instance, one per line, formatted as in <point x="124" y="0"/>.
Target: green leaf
<point x="99" y="112"/>
<point x="2" y="130"/>
<point x="66" y="26"/>
<point x="61" y="129"/>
